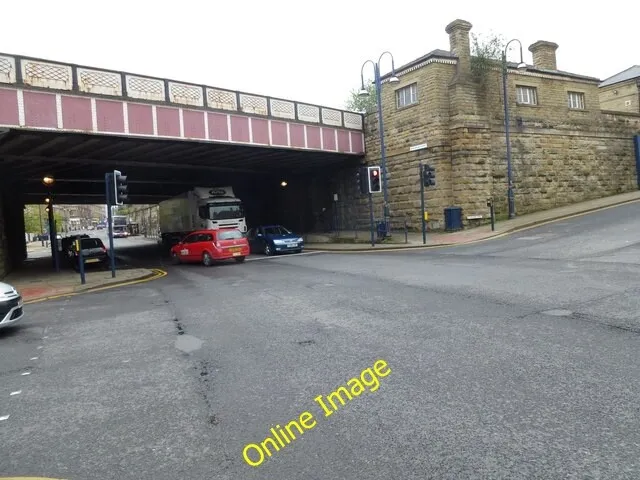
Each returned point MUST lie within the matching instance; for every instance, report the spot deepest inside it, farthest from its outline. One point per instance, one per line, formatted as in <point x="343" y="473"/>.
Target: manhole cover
<point x="558" y="313"/>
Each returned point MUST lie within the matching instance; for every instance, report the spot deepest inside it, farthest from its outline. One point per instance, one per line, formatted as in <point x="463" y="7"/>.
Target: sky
<point x="306" y="51"/>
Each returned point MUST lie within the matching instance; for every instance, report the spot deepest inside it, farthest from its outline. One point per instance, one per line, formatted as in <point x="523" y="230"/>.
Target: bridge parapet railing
<point x="50" y="75"/>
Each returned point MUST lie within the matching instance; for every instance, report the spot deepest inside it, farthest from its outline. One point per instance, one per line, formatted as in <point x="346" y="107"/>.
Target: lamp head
<point x="283" y="183"/>
<point x="394" y="79"/>
<point x="522" y="66"/>
<point x="363" y="92"/>
<point x="48" y="180"/>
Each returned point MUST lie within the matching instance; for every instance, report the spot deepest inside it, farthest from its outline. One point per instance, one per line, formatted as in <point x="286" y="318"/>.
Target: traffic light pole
<point x="371" y="226"/>
<point x="424" y="222"/>
<point x="110" y="187"/>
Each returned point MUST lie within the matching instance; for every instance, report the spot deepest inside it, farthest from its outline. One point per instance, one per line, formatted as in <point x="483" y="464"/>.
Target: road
<point x="512" y="358"/>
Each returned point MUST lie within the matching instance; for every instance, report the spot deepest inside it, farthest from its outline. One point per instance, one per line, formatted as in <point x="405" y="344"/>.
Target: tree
<point x="362" y="104"/>
<point x="486" y="54"/>
<point x="32" y="219"/>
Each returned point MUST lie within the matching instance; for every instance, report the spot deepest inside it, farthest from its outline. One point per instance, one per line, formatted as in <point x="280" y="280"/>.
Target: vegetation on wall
<point x="486" y="54"/>
<point x="362" y="104"/>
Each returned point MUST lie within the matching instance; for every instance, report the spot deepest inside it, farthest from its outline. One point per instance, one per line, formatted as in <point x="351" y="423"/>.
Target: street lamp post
<point x="510" y="197"/>
<point x="383" y="156"/>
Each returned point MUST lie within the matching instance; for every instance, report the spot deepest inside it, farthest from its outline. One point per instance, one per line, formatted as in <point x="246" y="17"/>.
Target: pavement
<point x="359" y="240"/>
<point x="38" y="281"/>
<point x="515" y="358"/>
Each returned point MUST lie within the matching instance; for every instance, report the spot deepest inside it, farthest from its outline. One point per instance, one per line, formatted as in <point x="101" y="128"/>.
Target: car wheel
<point x="240" y="259"/>
<point x="267" y="250"/>
<point x="175" y="260"/>
<point x="206" y="259"/>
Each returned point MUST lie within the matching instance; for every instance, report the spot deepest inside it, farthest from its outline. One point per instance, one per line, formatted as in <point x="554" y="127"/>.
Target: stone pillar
<point x="544" y="55"/>
<point x="469" y="130"/>
<point x="458" y="32"/>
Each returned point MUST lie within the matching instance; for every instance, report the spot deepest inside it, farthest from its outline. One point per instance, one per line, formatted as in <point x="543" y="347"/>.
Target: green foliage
<point x="486" y="54"/>
<point x="32" y="219"/>
<point x="362" y="104"/>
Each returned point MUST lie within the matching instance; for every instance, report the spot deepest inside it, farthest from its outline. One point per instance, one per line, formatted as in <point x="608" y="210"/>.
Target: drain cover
<point x="558" y="313"/>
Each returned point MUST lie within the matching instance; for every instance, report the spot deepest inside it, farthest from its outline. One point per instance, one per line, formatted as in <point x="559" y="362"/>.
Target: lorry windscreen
<point x="223" y="211"/>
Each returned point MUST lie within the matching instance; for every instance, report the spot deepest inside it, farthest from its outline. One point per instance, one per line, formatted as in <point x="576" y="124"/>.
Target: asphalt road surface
<point x="512" y="358"/>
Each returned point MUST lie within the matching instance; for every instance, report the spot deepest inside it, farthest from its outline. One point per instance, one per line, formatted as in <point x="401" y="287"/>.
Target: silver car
<point x="10" y="305"/>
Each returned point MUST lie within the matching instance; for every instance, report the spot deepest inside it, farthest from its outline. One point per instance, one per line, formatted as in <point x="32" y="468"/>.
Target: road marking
<point x="39" y="347"/>
<point x="25" y="373"/>
<point x="529" y="238"/>
<point x="315" y="252"/>
<point x="4" y="417"/>
<point x="17" y="392"/>
<point x="33" y="358"/>
<point x="157" y="273"/>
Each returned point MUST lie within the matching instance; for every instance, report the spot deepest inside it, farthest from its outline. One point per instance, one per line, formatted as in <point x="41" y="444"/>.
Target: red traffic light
<point x="375" y="173"/>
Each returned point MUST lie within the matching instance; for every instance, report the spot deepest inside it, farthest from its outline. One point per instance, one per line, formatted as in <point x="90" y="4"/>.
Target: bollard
<point x="492" y="213"/>
<point x="406" y="231"/>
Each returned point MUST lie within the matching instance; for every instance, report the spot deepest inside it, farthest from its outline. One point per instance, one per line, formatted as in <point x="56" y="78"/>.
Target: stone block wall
<point x="622" y="97"/>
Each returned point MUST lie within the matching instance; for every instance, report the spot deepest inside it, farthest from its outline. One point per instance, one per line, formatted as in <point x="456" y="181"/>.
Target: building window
<point x="576" y="100"/>
<point x="407" y="96"/>
<point x="526" y="95"/>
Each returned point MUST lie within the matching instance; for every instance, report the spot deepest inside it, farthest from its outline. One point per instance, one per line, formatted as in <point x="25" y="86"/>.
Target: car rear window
<point x="229" y="235"/>
<point x="91" y="243"/>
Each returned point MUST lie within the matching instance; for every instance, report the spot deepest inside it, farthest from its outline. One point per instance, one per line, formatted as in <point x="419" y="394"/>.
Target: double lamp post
<point x="383" y="157"/>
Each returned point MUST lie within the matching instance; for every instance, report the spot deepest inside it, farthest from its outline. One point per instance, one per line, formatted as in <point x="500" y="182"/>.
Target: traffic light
<point x="374" y="180"/>
<point x="428" y="176"/>
<point x="362" y="180"/>
<point x="120" y="190"/>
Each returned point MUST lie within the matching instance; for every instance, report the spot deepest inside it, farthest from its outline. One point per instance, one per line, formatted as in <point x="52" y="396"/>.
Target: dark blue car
<point x="272" y="239"/>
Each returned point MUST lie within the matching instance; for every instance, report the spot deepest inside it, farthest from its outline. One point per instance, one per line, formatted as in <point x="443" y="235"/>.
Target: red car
<point x="207" y="246"/>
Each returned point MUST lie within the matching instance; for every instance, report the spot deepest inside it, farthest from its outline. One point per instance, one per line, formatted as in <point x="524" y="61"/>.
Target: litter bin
<point x="453" y="219"/>
<point x="382" y="230"/>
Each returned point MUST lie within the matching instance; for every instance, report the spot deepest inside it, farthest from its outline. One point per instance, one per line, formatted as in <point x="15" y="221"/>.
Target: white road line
<point x="39" y="347"/>
<point x="4" y="417"/>
<point x="33" y="358"/>
<point x="283" y="256"/>
<point x="25" y="373"/>
<point x="17" y="392"/>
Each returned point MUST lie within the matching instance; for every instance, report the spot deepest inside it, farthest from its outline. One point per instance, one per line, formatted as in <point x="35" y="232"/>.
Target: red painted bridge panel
<point x="329" y="138"/>
<point x="313" y="137"/>
<point x="240" y="129"/>
<point x="168" y="121"/>
<point x="343" y="141"/>
<point x="40" y="110"/>
<point x="297" y="135"/>
<point x="279" y="133"/>
<point x="218" y="126"/>
<point x="193" y="122"/>
<point x="110" y="116"/>
<point x="140" y="119"/>
<point x="357" y="142"/>
<point x="9" y="107"/>
<point x="260" y="131"/>
<point x="76" y="113"/>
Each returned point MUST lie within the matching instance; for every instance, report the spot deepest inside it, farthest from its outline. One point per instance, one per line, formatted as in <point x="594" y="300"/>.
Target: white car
<point x="10" y="305"/>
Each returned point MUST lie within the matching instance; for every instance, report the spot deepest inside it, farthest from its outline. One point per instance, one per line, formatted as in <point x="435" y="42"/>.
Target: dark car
<point x="272" y="239"/>
<point x="93" y="251"/>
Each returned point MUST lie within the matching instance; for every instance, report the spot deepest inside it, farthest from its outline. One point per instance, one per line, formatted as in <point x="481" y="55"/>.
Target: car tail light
<point x="104" y="249"/>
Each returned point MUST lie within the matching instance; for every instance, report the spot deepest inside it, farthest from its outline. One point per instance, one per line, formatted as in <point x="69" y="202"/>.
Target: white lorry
<point x="203" y="208"/>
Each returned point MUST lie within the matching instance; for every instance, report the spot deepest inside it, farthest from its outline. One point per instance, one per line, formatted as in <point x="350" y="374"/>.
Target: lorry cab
<point x="219" y="208"/>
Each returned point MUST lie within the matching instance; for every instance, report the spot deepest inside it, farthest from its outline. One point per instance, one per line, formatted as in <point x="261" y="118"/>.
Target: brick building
<point x="565" y="149"/>
<point x="621" y="92"/>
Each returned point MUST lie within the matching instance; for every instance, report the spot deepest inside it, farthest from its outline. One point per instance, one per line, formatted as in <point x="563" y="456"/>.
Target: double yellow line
<point x="157" y="273"/>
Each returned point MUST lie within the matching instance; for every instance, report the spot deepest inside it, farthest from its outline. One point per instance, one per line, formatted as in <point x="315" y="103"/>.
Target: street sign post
<point x="83" y="279"/>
